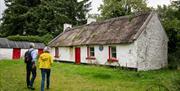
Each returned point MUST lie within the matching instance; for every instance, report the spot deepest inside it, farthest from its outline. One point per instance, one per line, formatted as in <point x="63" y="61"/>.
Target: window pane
<point x="91" y="48"/>
<point x="91" y="51"/>
<point x="114" y="55"/>
<point x="113" y="49"/>
<point x="113" y="52"/>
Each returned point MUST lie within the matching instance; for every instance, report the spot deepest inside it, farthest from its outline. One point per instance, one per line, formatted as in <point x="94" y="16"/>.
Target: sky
<point x="96" y="4"/>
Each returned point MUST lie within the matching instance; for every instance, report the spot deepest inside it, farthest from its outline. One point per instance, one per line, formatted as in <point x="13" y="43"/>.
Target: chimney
<point x="66" y="26"/>
<point x="90" y="20"/>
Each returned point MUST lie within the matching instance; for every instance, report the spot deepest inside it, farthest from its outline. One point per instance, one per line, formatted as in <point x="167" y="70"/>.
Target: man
<point x="30" y="60"/>
<point x="45" y="61"/>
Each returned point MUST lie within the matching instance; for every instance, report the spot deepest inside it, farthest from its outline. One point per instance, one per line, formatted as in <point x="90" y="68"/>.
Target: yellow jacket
<point x="45" y="61"/>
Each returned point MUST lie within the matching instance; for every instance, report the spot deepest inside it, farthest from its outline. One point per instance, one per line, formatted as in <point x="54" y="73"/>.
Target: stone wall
<point x="151" y="46"/>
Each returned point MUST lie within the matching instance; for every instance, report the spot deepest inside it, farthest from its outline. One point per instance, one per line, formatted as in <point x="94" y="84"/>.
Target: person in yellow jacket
<point x="45" y="61"/>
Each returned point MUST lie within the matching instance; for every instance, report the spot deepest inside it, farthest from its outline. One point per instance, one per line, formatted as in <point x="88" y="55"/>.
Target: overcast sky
<point x="96" y="4"/>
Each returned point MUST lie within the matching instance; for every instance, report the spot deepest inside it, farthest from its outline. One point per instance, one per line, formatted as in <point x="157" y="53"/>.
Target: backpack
<point x="28" y="57"/>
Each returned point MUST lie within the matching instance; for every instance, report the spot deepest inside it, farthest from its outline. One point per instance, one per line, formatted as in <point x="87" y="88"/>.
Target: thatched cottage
<point x="137" y="41"/>
<point x="16" y="49"/>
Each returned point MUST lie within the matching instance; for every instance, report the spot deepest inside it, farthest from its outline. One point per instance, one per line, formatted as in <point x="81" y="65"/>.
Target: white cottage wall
<point x="83" y="54"/>
<point x="53" y="52"/>
<point x="6" y="53"/>
<point x="125" y="55"/>
<point x="152" y="46"/>
<point x="23" y="52"/>
<point x="101" y="56"/>
<point x="64" y="53"/>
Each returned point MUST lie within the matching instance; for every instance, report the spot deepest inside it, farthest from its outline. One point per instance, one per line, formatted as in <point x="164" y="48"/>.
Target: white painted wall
<point x="6" y="53"/>
<point x="23" y="52"/>
<point x="152" y="46"/>
<point x="125" y="54"/>
<point x="65" y="53"/>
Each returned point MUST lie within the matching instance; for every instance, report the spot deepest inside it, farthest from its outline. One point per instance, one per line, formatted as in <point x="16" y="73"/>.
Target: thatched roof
<point x="118" y="30"/>
<point x="5" y="43"/>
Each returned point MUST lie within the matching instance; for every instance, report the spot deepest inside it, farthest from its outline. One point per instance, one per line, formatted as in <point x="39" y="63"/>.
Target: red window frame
<point x="89" y="56"/>
<point x="112" y="59"/>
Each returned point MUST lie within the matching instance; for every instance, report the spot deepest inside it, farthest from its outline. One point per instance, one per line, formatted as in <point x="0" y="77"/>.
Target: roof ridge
<point x="111" y="19"/>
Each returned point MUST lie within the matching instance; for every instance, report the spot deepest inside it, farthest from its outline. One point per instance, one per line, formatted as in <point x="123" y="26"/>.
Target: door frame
<point x="16" y="53"/>
<point x="77" y="55"/>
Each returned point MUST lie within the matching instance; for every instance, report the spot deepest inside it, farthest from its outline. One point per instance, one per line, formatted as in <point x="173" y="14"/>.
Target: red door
<point x="16" y="53"/>
<point x="40" y="51"/>
<point x="77" y="55"/>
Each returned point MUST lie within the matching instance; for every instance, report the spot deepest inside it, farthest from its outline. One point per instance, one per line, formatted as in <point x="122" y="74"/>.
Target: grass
<point x="71" y="77"/>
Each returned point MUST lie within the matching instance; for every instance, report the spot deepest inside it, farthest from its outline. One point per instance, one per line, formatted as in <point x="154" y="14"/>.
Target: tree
<point x="170" y="19"/>
<point x="39" y="17"/>
<point x="116" y="8"/>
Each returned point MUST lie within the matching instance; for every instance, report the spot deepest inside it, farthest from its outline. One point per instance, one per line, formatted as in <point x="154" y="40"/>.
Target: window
<point x="56" y="52"/>
<point x="91" y="51"/>
<point x="112" y="52"/>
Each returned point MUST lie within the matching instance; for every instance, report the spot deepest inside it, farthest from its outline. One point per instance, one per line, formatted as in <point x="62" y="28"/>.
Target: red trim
<point x="112" y="60"/>
<point x="87" y="51"/>
<point x="91" y="58"/>
<point x="109" y="52"/>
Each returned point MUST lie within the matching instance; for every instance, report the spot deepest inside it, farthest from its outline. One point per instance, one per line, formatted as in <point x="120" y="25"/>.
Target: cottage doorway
<point x="77" y="55"/>
<point x="40" y="51"/>
<point x="16" y="53"/>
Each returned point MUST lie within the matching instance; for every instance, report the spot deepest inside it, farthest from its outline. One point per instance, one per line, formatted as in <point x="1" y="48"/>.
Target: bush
<point x="47" y="38"/>
<point x="44" y="39"/>
<point x="172" y="62"/>
<point x="25" y="38"/>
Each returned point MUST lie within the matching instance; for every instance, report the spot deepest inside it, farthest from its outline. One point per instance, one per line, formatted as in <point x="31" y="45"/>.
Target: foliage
<point x="71" y="77"/>
<point x="47" y="38"/>
<point x="25" y="38"/>
<point x="39" y="17"/>
<point x="44" y="39"/>
<point x="170" y="19"/>
<point x="116" y="8"/>
<point x="176" y="83"/>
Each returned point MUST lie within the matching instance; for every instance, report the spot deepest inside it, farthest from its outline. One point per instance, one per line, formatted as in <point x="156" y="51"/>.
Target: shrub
<point x="25" y="38"/>
<point x="174" y="59"/>
<point x="44" y="39"/>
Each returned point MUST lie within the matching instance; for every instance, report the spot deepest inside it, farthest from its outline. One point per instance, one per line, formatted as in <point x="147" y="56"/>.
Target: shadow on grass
<point x="102" y="76"/>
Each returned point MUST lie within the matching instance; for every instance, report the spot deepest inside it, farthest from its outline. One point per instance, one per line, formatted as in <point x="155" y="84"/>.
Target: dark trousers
<point x="45" y="72"/>
<point x="30" y="70"/>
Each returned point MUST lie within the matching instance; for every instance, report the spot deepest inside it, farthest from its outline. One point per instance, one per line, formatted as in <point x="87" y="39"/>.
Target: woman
<point x="45" y="61"/>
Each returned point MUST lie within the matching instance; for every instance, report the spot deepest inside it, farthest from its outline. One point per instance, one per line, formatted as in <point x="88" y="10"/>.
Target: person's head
<point x="47" y="49"/>
<point x="31" y="45"/>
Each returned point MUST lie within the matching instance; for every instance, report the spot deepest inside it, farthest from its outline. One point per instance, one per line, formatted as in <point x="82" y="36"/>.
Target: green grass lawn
<point x="71" y="77"/>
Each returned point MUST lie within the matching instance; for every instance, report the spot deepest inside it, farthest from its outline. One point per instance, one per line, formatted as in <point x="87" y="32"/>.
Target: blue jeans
<point x="45" y="72"/>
